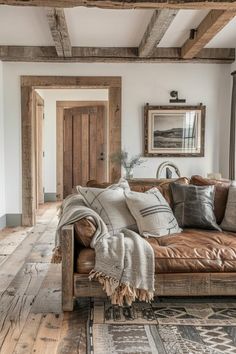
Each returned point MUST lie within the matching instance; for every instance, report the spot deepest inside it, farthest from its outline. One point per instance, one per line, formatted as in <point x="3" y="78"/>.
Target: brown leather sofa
<point x="195" y="262"/>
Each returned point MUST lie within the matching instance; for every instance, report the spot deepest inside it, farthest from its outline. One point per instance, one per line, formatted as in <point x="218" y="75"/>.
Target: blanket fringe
<point x="120" y="294"/>
<point x="56" y="256"/>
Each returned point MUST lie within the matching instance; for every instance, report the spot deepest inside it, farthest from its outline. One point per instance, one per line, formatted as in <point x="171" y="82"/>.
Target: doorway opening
<point x="71" y="143"/>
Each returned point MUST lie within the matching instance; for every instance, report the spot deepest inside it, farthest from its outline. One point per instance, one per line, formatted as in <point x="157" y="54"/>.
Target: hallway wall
<point x="141" y="83"/>
<point x="2" y="157"/>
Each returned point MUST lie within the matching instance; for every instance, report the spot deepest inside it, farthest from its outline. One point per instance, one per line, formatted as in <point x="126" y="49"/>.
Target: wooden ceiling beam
<point x="128" y="4"/>
<point x="112" y="55"/>
<point x="59" y="31"/>
<point x="157" y="27"/>
<point x="208" y="28"/>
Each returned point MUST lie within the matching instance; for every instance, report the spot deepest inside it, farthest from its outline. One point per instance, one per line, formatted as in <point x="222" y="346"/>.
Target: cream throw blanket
<point x="124" y="262"/>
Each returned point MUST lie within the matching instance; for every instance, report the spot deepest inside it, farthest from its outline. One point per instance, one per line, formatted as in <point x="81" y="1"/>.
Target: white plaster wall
<point x="50" y="97"/>
<point x="141" y="83"/>
<point x="2" y="158"/>
<point x="225" y="126"/>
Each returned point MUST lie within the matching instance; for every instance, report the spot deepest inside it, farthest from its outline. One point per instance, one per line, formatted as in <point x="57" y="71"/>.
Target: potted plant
<point x="127" y="163"/>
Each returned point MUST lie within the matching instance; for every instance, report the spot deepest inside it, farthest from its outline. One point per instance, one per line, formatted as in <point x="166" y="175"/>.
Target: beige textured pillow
<point x="110" y="204"/>
<point x="229" y="221"/>
<point x="152" y="213"/>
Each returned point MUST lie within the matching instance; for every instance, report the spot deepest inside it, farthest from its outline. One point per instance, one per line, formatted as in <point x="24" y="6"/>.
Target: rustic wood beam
<point x="59" y="31"/>
<point x="208" y="28"/>
<point x="112" y="55"/>
<point x="128" y="4"/>
<point x="157" y="27"/>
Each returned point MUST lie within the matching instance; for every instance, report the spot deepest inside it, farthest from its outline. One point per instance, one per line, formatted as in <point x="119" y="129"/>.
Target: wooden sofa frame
<point x="76" y="285"/>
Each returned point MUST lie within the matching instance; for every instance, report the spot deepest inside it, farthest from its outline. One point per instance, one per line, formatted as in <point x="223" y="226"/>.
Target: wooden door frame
<point x="37" y="101"/>
<point x="28" y="84"/>
<point x="60" y="106"/>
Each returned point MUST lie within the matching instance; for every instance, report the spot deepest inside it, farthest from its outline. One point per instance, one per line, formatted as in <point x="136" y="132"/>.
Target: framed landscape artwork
<point x="174" y="130"/>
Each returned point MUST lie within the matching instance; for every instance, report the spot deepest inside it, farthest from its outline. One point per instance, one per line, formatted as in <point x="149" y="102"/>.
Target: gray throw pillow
<point x="152" y="213"/>
<point x="110" y="204"/>
<point x="229" y="221"/>
<point x="193" y="206"/>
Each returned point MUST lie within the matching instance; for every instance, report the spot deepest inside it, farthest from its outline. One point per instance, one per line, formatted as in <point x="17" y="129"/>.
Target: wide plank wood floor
<point x="31" y="318"/>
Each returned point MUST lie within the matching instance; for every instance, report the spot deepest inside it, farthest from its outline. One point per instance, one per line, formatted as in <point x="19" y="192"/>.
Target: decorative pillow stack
<point x="229" y="221"/>
<point x="194" y="206"/>
<point x="152" y="213"/>
<point x="110" y="204"/>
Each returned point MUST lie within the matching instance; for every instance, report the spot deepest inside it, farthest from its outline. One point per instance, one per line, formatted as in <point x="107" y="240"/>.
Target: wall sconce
<point x="176" y="97"/>
<point x="192" y="33"/>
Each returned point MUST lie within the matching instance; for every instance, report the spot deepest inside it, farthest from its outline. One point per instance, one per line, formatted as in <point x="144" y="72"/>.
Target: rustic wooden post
<point x="67" y="246"/>
<point x="28" y="160"/>
<point x="114" y="130"/>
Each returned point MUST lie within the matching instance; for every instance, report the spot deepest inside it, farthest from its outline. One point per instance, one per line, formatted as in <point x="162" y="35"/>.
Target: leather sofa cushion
<point x="191" y="251"/>
<point x="221" y="193"/>
<point x="84" y="231"/>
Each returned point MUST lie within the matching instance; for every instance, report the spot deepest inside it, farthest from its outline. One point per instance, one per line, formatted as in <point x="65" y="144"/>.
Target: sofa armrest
<point x="67" y="247"/>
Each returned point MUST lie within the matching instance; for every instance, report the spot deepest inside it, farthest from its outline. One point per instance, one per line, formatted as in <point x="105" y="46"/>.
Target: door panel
<point x="85" y="142"/>
<point x="101" y="146"/>
<point x="84" y="146"/>
<point x="77" y="141"/>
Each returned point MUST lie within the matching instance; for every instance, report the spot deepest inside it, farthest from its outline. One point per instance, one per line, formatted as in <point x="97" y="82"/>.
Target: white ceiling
<point x="111" y="28"/>
<point x="226" y="38"/>
<point x="102" y="28"/>
<point x="24" y="26"/>
<point x="178" y="32"/>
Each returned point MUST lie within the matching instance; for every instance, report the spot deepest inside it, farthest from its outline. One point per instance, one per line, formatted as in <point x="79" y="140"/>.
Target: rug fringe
<point x="120" y="294"/>
<point x="56" y="256"/>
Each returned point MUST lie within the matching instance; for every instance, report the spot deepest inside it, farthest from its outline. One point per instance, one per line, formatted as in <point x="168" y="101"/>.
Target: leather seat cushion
<point x="191" y="251"/>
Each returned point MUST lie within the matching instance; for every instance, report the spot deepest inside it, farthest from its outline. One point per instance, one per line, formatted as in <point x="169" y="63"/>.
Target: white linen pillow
<point x="152" y="213"/>
<point x="229" y="221"/>
<point x="110" y="204"/>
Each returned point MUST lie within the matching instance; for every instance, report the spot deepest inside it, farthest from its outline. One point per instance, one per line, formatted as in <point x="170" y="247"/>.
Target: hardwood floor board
<point x="31" y="318"/>
<point x="13" y="321"/>
<point x="29" y="279"/>
<point x="10" y="231"/>
<point x="41" y="252"/>
<point x="11" y="242"/>
<point x="73" y="331"/>
<point x="28" y="335"/>
<point x="17" y="259"/>
<point x="3" y="259"/>
<point x="48" y="299"/>
<point x="48" y="236"/>
<point x="48" y="335"/>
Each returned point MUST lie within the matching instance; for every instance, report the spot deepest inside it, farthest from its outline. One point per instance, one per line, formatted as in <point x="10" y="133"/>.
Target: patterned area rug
<point x="162" y="328"/>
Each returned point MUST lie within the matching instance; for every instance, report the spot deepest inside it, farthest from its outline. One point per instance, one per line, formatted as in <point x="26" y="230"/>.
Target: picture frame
<point x="174" y="131"/>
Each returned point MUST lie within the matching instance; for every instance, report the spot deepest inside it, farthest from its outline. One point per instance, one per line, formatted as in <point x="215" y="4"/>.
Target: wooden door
<point x="84" y="156"/>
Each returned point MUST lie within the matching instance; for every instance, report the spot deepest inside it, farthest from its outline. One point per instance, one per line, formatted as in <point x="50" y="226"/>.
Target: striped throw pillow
<point x="110" y="204"/>
<point x="152" y="213"/>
